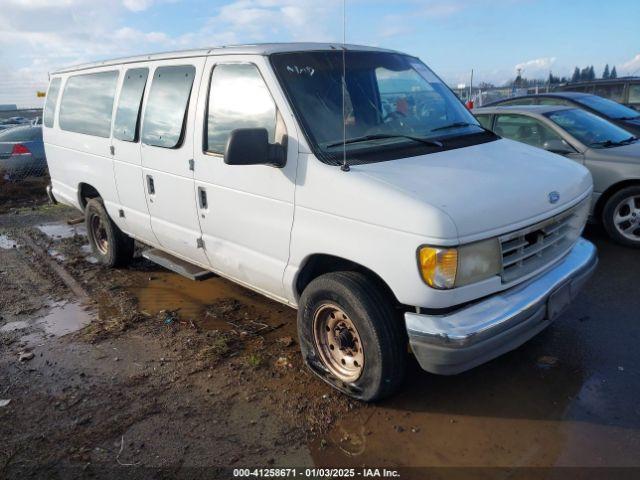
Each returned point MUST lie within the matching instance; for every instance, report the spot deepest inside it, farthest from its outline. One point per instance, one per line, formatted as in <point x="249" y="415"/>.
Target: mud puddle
<point x="7" y="243"/>
<point x="213" y="304"/>
<point x="63" y="318"/>
<point x="61" y="230"/>
<point x="493" y="416"/>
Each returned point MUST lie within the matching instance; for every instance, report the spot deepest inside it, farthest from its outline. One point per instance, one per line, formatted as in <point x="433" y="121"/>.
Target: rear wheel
<point x="351" y="336"/>
<point x="110" y="245"/>
<point x="621" y="216"/>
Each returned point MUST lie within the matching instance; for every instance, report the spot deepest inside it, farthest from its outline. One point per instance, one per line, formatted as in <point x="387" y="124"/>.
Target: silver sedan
<point x="611" y="153"/>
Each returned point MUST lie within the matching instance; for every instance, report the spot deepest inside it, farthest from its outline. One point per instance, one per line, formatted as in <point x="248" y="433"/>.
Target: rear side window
<point x="87" y="103"/>
<point x="129" y="105"/>
<point x="21" y="134"/>
<point x="50" y="103"/>
<point x="166" y="108"/>
<point x="238" y="98"/>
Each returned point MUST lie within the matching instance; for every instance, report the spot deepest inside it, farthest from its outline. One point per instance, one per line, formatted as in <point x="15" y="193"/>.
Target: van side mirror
<point x="557" y="146"/>
<point x="250" y="146"/>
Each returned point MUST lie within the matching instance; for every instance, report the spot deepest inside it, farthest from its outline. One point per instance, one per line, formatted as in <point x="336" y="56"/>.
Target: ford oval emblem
<point x="554" y="197"/>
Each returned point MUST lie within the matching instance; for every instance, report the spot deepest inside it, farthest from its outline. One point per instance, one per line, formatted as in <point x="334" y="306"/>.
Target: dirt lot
<point x="140" y="372"/>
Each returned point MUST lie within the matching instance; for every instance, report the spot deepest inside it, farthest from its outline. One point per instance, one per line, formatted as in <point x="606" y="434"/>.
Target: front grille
<point x="526" y="250"/>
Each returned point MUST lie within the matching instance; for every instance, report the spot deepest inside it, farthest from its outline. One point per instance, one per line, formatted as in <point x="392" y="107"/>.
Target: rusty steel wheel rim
<point x="99" y="233"/>
<point x="338" y="342"/>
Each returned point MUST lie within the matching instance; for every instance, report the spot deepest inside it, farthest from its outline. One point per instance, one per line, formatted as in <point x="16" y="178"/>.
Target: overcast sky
<point x="494" y="37"/>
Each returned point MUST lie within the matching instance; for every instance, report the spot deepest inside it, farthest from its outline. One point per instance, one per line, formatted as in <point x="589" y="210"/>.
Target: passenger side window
<point x="87" y="103"/>
<point x="166" y="109"/>
<point x="50" y="104"/>
<point x="238" y="98"/>
<point x="129" y="105"/>
<point x="524" y="129"/>
<point x="485" y="120"/>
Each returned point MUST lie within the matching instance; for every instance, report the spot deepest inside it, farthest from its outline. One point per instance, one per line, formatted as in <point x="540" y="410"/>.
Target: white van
<point x="389" y="219"/>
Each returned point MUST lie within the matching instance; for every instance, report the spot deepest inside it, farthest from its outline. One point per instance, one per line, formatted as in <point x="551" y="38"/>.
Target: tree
<point x="576" y="75"/>
<point x="614" y="74"/>
<point x="591" y="75"/>
<point x="605" y="73"/>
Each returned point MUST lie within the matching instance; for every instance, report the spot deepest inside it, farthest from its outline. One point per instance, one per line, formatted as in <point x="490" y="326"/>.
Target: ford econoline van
<point x="345" y="181"/>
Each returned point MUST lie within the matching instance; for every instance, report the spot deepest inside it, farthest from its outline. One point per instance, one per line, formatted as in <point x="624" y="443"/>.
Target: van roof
<point x="249" y="49"/>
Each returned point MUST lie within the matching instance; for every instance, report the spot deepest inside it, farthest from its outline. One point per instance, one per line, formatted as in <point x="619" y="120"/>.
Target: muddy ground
<point x="140" y="372"/>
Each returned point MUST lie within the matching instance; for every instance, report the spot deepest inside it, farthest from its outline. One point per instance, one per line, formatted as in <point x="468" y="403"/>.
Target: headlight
<point x="445" y="268"/>
<point x="438" y="266"/>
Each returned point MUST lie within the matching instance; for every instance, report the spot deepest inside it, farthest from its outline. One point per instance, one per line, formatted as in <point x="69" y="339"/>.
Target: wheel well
<point x="608" y="193"/>
<point x="86" y="192"/>
<point x="319" y="264"/>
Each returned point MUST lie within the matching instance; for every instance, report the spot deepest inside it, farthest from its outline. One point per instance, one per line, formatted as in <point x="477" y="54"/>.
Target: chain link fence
<point x="23" y="166"/>
<point x="27" y="191"/>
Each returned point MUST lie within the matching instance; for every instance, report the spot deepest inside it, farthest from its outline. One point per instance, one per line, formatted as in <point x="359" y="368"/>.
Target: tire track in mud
<point x="81" y="294"/>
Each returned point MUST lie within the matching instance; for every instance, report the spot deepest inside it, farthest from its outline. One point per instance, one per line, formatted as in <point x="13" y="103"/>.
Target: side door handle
<point x="202" y="197"/>
<point x="151" y="188"/>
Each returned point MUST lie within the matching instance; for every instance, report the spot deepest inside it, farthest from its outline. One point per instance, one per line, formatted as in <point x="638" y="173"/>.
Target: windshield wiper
<point x="382" y="136"/>
<point x="629" y="118"/>
<point x="609" y="143"/>
<point x="459" y="125"/>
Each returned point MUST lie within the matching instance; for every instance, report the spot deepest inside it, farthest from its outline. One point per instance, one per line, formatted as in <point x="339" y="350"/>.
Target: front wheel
<point x="621" y="216"/>
<point x="351" y="336"/>
<point x="110" y="245"/>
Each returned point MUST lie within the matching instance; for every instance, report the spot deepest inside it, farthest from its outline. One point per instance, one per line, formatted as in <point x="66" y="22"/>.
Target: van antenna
<point x="345" y="164"/>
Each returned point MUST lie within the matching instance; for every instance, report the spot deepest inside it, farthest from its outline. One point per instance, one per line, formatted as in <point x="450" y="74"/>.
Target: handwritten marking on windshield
<point x="301" y="70"/>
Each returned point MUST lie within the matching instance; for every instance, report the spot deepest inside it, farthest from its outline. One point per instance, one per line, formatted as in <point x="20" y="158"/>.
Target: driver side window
<point x="524" y="129"/>
<point x="238" y="98"/>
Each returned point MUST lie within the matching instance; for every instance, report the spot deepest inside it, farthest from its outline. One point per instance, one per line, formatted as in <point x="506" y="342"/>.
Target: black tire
<point x="609" y="210"/>
<point x="379" y="326"/>
<point x="111" y="246"/>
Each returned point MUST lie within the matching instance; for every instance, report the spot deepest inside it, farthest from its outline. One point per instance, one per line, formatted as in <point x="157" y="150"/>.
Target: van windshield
<point x="394" y="106"/>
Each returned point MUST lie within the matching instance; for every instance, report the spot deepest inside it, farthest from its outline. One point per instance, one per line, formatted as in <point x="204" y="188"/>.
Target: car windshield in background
<point x="21" y="134"/>
<point x="394" y="105"/>
<point x="608" y="107"/>
<point x="593" y="131"/>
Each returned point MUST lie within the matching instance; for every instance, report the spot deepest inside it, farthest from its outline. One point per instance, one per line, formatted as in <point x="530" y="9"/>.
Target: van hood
<point x="487" y="189"/>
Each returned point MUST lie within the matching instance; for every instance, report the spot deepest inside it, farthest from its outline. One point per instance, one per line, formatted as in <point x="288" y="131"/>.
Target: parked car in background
<point x="611" y="153"/>
<point x="624" y="117"/>
<point x="11" y="122"/>
<point x="22" y="152"/>
<point x="625" y="90"/>
<point x="406" y="223"/>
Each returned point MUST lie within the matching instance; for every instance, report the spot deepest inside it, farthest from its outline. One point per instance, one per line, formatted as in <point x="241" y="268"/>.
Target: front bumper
<point x="455" y="342"/>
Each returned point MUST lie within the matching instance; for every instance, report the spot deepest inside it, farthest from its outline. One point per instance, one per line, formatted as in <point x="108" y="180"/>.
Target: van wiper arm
<point x="382" y="136"/>
<point x="459" y="125"/>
